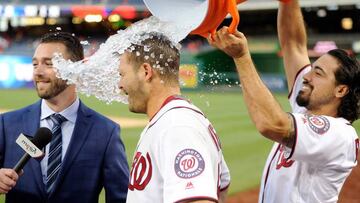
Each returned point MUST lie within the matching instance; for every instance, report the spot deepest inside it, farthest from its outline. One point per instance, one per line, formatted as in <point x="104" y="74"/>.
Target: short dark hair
<point x="72" y="43"/>
<point x="348" y="73"/>
<point x="160" y="53"/>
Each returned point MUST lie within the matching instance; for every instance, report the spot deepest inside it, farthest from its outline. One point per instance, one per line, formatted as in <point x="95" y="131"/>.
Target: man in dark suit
<point x="85" y="154"/>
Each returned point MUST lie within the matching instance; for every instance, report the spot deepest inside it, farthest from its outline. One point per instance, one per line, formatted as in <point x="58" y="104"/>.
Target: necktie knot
<point x="57" y="119"/>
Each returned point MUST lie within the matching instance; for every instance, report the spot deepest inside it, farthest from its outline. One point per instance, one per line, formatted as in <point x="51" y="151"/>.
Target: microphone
<point x="32" y="147"/>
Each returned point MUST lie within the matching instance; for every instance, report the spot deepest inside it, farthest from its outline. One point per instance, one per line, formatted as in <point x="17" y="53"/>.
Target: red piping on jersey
<point x="196" y="198"/>
<point x="296" y="136"/>
<point x="214" y="137"/>
<point x="167" y="100"/>
<point x="297" y="74"/>
<point x="268" y="170"/>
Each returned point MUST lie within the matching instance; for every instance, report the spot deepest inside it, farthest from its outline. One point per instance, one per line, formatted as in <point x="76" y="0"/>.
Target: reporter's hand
<point x="234" y="45"/>
<point x="8" y="179"/>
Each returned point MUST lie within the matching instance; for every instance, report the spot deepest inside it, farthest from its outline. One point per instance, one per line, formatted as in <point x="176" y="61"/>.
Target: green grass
<point x="245" y="150"/>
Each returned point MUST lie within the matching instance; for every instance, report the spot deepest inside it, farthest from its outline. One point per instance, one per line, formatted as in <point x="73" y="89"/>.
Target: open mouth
<point x="306" y="87"/>
<point x="122" y="92"/>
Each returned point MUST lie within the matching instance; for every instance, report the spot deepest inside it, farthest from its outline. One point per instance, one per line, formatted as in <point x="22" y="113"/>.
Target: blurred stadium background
<point x="208" y="76"/>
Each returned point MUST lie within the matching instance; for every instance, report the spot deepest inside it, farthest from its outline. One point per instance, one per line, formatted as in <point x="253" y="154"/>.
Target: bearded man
<point x="85" y="153"/>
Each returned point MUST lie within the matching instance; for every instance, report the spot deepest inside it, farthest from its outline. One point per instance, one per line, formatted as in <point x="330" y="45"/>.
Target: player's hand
<point x="8" y="179"/>
<point x="234" y="45"/>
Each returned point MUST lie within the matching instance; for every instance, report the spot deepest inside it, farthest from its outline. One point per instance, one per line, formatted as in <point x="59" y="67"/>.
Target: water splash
<point x="98" y="75"/>
<point x="84" y="42"/>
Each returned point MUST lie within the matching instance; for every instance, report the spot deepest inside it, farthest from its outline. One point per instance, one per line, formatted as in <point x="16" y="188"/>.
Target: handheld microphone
<point x="40" y="140"/>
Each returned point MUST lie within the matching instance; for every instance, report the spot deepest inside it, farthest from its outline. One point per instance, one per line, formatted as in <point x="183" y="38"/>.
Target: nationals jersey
<point x="315" y="169"/>
<point x="178" y="157"/>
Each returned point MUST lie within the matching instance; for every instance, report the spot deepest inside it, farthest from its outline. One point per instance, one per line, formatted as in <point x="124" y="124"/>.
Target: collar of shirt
<point x="70" y="113"/>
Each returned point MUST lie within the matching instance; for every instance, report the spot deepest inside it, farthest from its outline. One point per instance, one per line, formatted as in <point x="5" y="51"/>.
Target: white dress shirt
<point x="67" y="128"/>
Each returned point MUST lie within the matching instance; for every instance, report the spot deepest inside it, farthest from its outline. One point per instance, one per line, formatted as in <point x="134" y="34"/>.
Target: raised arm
<point x="270" y="120"/>
<point x="292" y="38"/>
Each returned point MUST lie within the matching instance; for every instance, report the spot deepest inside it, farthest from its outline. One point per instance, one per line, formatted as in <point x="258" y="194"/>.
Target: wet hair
<point x="160" y="53"/>
<point x="72" y="44"/>
<point x="348" y="73"/>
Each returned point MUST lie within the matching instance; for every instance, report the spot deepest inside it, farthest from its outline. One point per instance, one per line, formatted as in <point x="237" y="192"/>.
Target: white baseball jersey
<point x="178" y="157"/>
<point x="315" y="169"/>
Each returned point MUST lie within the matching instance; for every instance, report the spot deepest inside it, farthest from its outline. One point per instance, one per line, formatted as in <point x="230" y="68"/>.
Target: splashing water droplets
<point x="146" y="48"/>
<point x="99" y="74"/>
<point x="84" y="42"/>
<point x="207" y="103"/>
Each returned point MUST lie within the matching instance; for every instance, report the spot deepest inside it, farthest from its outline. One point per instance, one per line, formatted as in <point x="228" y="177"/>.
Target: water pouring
<point x="204" y="16"/>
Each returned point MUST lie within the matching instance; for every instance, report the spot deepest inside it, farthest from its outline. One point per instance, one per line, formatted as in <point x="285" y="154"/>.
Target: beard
<point x="56" y="87"/>
<point x="137" y="105"/>
<point x="137" y="99"/>
<point x="302" y="99"/>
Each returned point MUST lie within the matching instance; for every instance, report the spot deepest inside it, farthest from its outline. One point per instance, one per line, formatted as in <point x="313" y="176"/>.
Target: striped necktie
<point x="55" y="151"/>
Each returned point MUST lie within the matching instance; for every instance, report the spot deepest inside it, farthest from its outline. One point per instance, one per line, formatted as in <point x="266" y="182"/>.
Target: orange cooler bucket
<point x="204" y="15"/>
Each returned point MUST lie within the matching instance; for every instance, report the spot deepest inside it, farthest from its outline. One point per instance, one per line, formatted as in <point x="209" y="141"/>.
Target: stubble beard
<point x="56" y="87"/>
<point x="138" y="101"/>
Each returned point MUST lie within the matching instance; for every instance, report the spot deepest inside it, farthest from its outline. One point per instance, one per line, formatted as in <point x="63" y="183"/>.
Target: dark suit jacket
<point x="94" y="159"/>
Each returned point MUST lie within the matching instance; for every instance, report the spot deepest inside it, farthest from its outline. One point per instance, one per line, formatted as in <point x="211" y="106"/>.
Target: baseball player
<point x="316" y="146"/>
<point x="178" y="157"/>
<point x="316" y="166"/>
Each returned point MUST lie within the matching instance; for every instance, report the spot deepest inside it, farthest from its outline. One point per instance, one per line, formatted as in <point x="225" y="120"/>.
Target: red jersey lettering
<point x="137" y="179"/>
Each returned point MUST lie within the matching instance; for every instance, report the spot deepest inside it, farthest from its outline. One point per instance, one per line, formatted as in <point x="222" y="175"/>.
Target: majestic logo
<point x="318" y="124"/>
<point x="141" y="172"/>
<point x="282" y="161"/>
<point x="189" y="185"/>
<point x="189" y="163"/>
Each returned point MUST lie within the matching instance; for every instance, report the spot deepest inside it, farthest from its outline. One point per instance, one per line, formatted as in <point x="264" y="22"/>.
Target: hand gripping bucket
<point x="204" y="15"/>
